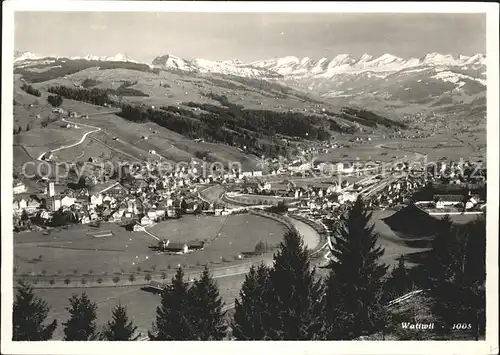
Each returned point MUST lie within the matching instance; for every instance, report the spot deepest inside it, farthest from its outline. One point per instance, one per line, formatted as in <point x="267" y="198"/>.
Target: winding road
<point x="96" y="129"/>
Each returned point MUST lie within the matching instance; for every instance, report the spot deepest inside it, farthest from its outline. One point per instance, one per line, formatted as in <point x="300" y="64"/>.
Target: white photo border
<point x="488" y="346"/>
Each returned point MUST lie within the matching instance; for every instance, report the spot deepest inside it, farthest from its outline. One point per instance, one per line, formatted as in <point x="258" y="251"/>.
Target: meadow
<point x="74" y="251"/>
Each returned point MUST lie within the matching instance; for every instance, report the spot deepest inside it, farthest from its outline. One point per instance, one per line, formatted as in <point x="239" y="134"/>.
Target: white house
<point x="472" y="202"/>
<point x="43" y="215"/>
<point x="117" y="215"/>
<point x="348" y="196"/>
<point x="146" y="221"/>
<point x="443" y="201"/>
<point x="345" y="167"/>
<point x="67" y="201"/>
<point x="96" y="200"/>
<point x="53" y="203"/>
<point x="19" y="188"/>
<point x="19" y="205"/>
<point x="32" y="204"/>
<point x="138" y="228"/>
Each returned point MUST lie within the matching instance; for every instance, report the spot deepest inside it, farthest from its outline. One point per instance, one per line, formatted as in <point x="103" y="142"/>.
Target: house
<point x="471" y="203"/>
<point x="345" y="167"/>
<point x="171" y="212"/>
<point x="96" y="200"/>
<point x="398" y="167"/>
<point x="67" y="201"/>
<point x="43" y="215"/>
<point x="53" y="203"/>
<point x="116" y="216"/>
<point x="173" y="247"/>
<point x="145" y="221"/>
<point x="151" y="214"/>
<point x="19" y="188"/>
<point x="48" y="156"/>
<point x="196" y="245"/>
<point x="299" y="167"/>
<point x="19" y="204"/>
<point x="447" y="200"/>
<point x="348" y="196"/>
<point x="138" y="227"/>
<point x="33" y="204"/>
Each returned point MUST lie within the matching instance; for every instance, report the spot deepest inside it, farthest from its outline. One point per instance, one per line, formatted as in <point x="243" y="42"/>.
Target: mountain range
<point x="434" y="80"/>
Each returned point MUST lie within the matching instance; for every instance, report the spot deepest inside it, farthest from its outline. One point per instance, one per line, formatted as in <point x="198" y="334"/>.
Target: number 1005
<point x="462" y="326"/>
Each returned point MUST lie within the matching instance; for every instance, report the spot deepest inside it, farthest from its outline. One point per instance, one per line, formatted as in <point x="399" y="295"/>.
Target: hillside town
<point x="146" y="194"/>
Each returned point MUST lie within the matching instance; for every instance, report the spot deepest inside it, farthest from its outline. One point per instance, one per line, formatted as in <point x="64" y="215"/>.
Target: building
<point x="145" y="221"/>
<point x="443" y="201"/>
<point x="173" y="247"/>
<point x="67" y="201"/>
<point x="19" y="204"/>
<point x="19" y="188"/>
<point x="345" y="167"/>
<point x="53" y="203"/>
<point x="96" y="200"/>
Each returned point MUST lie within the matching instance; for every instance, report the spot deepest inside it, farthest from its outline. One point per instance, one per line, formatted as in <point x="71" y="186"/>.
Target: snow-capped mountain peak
<point x="20" y="56"/>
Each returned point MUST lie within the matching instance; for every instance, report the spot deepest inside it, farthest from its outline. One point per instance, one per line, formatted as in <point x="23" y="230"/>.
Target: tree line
<point x="96" y="96"/>
<point x="289" y="301"/>
<point x="60" y="67"/>
<point x="253" y="131"/>
<point x="31" y="90"/>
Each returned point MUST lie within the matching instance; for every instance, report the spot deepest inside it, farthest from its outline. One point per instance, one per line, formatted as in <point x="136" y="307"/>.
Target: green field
<point x="141" y="305"/>
<point x="74" y="251"/>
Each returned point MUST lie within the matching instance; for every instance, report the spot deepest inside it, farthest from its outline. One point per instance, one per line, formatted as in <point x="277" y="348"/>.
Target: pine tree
<point x="119" y="328"/>
<point x="354" y="298"/>
<point x="445" y="251"/>
<point x="82" y="322"/>
<point x="249" y="319"/>
<point x="29" y="313"/>
<point x="458" y="279"/>
<point x="294" y="297"/>
<point x="398" y="283"/>
<point x="174" y="314"/>
<point x="207" y="304"/>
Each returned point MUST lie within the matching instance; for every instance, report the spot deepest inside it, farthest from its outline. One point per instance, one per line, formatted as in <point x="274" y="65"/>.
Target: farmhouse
<point x="173" y="247"/>
<point x="345" y="167"/>
<point x="19" y="188"/>
<point x="443" y="201"/>
<point x="145" y="221"/>
<point x="19" y="205"/>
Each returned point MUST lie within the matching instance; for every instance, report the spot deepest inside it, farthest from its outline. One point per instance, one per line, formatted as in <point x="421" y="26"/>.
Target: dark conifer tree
<point x="354" y="299"/>
<point x="208" y="317"/>
<point x="174" y="314"/>
<point x="458" y="279"/>
<point x="249" y="322"/>
<point x="29" y="314"/>
<point x="294" y="297"/>
<point x="81" y="324"/>
<point x="398" y="283"/>
<point x="120" y="328"/>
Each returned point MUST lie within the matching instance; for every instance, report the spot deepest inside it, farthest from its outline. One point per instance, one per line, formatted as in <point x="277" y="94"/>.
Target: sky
<point x="247" y="36"/>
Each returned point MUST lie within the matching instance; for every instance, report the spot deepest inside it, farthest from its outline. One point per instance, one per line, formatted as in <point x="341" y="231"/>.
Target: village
<point x="147" y="194"/>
